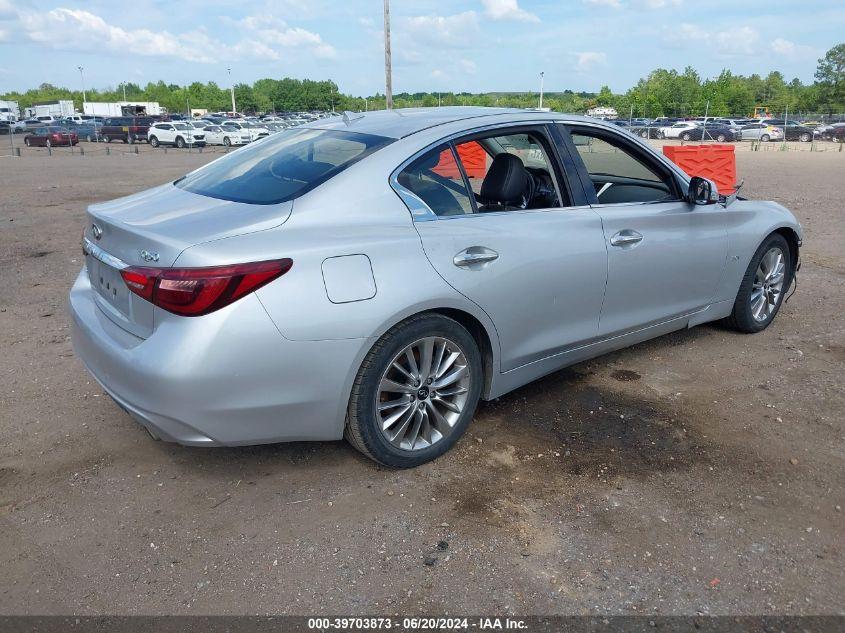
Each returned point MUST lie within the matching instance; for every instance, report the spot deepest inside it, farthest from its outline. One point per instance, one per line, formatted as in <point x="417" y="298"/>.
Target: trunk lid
<point x="152" y="228"/>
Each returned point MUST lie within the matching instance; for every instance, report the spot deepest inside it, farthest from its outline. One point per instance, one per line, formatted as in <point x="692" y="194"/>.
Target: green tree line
<point x="664" y="92"/>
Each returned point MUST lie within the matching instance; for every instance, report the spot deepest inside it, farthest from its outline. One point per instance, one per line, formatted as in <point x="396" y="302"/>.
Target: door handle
<point x="627" y="237"/>
<point x="474" y="255"/>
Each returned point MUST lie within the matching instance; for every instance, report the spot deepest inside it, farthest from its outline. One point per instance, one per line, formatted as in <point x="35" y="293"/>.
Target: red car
<point x="50" y="137"/>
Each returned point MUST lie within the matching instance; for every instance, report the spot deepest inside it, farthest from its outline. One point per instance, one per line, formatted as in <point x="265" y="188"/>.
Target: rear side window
<point x="281" y="167"/>
<point x="436" y="179"/>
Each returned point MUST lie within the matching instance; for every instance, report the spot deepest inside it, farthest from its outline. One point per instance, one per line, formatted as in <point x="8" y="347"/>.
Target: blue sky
<point x="474" y="45"/>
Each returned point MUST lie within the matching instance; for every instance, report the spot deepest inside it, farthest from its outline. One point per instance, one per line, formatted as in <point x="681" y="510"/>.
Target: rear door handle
<point x="627" y="237"/>
<point x="474" y="255"/>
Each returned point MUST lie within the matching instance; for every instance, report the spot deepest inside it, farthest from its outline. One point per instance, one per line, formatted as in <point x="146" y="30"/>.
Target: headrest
<point x="506" y="180"/>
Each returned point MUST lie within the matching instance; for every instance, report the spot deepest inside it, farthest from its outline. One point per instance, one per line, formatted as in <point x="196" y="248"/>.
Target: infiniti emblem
<point x="96" y="231"/>
<point x="147" y="256"/>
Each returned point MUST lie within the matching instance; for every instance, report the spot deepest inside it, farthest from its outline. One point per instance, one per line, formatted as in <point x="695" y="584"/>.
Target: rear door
<point x="537" y="268"/>
<point x="665" y="256"/>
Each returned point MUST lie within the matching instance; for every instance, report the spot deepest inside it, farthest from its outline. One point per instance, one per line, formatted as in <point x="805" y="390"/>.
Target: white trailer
<point x="56" y="109"/>
<point x="122" y="108"/>
<point x="9" y="111"/>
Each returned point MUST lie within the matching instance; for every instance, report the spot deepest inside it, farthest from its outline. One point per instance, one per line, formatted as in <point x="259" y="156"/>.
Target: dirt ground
<point x="701" y="472"/>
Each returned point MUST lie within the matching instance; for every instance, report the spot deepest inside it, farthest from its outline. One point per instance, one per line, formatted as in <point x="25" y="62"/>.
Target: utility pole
<point x="542" y="77"/>
<point x="82" y="76"/>
<point x="123" y="84"/>
<point x="234" y="109"/>
<point x="388" y="80"/>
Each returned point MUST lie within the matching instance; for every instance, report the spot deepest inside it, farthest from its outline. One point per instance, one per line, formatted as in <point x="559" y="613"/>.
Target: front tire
<point x="415" y="392"/>
<point x="685" y="136"/>
<point x="226" y="141"/>
<point x="767" y="278"/>
<point x="765" y="138"/>
<point x="154" y="141"/>
<point x="720" y="138"/>
<point x="805" y="137"/>
<point x="180" y="142"/>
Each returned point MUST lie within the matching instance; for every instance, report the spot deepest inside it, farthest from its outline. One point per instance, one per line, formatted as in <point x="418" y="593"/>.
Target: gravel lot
<point x="701" y="472"/>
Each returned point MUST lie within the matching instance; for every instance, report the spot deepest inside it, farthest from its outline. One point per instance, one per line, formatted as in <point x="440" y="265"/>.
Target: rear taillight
<point x="198" y="291"/>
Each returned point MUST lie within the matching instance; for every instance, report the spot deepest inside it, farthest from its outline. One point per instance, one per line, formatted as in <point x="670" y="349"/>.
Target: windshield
<point x="282" y="167"/>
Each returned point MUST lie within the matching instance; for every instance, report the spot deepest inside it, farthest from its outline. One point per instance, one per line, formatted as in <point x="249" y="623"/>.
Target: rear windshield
<point x="282" y="167"/>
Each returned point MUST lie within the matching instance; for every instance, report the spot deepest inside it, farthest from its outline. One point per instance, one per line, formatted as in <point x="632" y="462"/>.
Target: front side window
<point x="281" y="167"/>
<point x="619" y="173"/>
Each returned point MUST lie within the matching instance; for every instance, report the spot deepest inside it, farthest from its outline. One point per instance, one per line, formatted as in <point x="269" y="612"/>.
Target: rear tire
<point x="721" y="138"/>
<point x="754" y="286"/>
<point x="107" y="138"/>
<point x="27" y="142"/>
<point x="88" y="138"/>
<point x="422" y="424"/>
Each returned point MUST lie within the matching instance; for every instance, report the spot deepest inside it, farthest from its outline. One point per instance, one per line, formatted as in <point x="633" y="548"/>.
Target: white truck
<point x="9" y="111"/>
<point x="122" y="108"/>
<point x="56" y="109"/>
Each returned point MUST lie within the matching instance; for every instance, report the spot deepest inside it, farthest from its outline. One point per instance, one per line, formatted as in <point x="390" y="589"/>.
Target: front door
<point x="504" y="233"/>
<point x="665" y="256"/>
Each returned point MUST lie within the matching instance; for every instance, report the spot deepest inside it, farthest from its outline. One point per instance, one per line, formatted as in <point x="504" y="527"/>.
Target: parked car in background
<point x="222" y="309"/>
<point x="175" y="133"/>
<point x="793" y="130"/>
<point x="126" y="128"/>
<point x="760" y="132"/>
<point x="712" y="131"/>
<point x="218" y="135"/>
<point x="86" y="130"/>
<point x="255" y="131"/>
<point x="50" y="136"/>
<point x="31" y="124"/>
<point x="12" y="127"/>
<point x="679" y="129"/>
<point x="836" y="133"/>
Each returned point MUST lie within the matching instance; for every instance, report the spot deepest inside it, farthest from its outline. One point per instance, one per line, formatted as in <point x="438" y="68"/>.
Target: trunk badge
<point x="96" y="231"/>
<point x="147" y="256"/>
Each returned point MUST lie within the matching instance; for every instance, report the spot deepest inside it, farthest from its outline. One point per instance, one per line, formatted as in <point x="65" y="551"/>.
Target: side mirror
<point x="702" y="191"/>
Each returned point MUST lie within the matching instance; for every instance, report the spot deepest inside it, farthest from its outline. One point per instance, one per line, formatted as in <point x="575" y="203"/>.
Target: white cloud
<point x="660" y="4"/>
<point x="615" y="4"/>
<point x="452" y="31"/>
<point x="789" y="49"/>
<point x="507" y="10"/>
<point x="731" y="42"/>
<point x="589" y="60"/>
<point x="468" y="66"/>
<point x="264" y="38"/>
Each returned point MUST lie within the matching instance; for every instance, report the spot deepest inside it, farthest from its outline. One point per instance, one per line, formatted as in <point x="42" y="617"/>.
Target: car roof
<point x="402" y="122"/>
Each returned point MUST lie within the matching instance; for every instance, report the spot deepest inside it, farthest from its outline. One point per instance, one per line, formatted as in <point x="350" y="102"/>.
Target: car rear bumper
<point x="225" y="379"/>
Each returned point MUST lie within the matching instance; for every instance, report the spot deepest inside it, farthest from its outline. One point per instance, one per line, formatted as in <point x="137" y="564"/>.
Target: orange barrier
<point x="473" y="157"/>
<point x="716" y="162"/>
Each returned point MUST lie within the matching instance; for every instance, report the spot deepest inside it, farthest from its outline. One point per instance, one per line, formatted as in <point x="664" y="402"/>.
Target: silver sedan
<point x="372" y="276"/>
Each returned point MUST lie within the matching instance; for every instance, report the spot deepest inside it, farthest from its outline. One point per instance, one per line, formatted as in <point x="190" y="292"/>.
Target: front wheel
<point x="415" y="392"/>
<point x="180" y="142"/>
<point x="765" y="138"/>
<point x="720" y="138"/>
<point x="227" y="142"/>
<point x="760" y="295"/>
<point x="27" y="142"/>
<point x="805" y="137"/>
<point x="107" y="138"/>
<point x="685" y="137"/>
<point x="153" y="141"/>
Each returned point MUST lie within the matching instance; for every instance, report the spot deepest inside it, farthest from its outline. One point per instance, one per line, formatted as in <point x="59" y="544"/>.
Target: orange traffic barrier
<point x="716" y="162"/>
<point x="473" y="157"/>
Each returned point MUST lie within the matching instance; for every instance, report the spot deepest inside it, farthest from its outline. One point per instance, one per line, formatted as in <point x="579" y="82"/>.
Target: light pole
<point x="82" y="76"/>
<point x="234" y="110"/>
<point x="542" y="76"/>
<point x="388" y="79"/>
<point x="123" y="85"/>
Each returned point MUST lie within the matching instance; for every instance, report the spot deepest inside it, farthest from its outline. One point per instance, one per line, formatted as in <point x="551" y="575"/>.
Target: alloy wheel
<point x="422" y="393"/>
<point x="768" y="284"/>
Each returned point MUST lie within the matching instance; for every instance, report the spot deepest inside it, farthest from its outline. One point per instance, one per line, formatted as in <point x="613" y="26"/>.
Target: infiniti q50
<point x="373" y="276"/>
